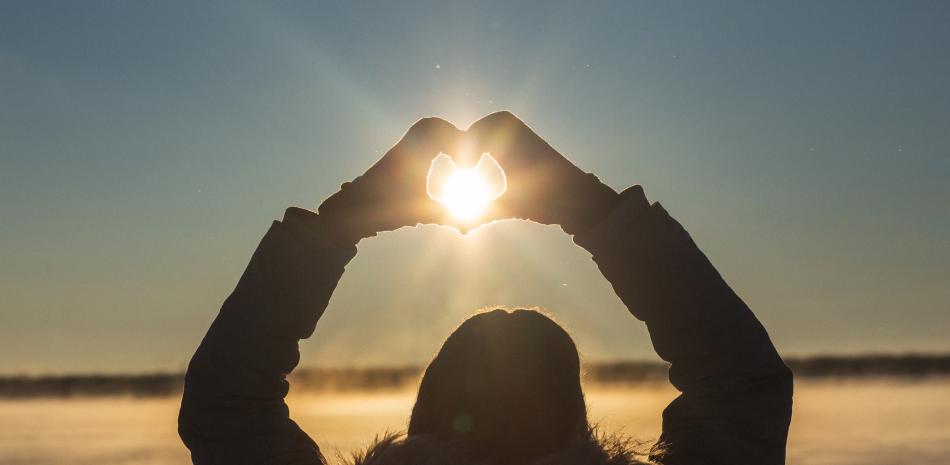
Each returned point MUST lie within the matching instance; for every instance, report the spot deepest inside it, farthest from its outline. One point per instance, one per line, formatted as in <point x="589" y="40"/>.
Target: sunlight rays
<point x="466" y="193"/>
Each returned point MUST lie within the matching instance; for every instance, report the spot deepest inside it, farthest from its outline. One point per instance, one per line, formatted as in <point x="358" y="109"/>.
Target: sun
<point x="466" y="194"/>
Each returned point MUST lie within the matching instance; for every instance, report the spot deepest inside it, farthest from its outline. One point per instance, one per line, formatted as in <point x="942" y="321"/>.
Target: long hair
<point x="505" y="387"/>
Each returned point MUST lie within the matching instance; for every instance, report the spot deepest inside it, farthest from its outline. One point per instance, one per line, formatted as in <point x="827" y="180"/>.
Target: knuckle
<point x="427" y="127"/>
<point x="426" y="123"/>
<point x="505" y="117"/>
<point x="498" y="120"/>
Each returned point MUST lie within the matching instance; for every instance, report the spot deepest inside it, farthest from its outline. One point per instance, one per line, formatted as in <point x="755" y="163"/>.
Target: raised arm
<point x="233" y="410"/>
<point x="735" y="406"/>
<point x="736" y="400"/>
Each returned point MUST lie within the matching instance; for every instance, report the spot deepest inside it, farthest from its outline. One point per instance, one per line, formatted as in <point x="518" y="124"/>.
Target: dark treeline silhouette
<point x="377" y="378"/>
<point x="912" y="365"/>
<point x="91" y="385"/>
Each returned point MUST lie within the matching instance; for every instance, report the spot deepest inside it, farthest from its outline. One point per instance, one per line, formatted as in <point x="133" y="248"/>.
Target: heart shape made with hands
<point x="465" y="193"/>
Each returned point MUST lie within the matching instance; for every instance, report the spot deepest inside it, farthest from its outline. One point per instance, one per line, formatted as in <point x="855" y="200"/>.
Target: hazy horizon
<point x="146" y="148"/>
<point x="877" y="422"/>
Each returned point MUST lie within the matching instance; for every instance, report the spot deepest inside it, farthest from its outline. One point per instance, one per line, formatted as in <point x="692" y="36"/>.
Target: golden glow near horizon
<point x="466" y="193"/>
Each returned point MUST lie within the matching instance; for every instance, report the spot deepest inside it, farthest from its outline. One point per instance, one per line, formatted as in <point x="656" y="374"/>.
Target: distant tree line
<point x="870" y="365"/>
<point x="379" y="378"/>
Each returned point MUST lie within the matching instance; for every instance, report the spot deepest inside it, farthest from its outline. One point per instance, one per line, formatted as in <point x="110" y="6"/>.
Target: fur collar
<point x="591" y="449"/>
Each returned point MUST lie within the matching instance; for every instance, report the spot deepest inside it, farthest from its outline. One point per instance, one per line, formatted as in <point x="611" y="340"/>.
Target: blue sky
<point x="145" y="147"/>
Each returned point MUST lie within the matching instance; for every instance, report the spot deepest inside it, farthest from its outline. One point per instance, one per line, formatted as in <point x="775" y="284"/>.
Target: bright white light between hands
<point x="466" y="194"/>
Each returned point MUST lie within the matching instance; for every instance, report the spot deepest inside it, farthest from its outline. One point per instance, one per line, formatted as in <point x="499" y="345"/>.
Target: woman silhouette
<point x="505" y="387"/>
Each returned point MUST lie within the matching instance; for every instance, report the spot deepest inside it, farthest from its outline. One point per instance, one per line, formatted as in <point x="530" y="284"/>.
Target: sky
<point x="145" y="147"/>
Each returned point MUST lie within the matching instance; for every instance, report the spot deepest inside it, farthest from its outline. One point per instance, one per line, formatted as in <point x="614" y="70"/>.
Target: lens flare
<point x="465" y="193"/>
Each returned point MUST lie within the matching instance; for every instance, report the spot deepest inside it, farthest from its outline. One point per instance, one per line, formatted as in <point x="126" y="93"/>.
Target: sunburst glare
<point x="466" y="193"/>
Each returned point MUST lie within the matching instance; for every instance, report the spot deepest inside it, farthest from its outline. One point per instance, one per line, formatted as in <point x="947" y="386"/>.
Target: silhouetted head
<point x="506" y="385"/>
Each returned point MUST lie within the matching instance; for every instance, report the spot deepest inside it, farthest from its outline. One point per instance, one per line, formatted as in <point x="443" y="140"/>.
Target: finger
<point x="432" y="212"/>
<point x="427" y="138"/>
<point x="425" y="210"/>
<point x="468" y="153"/>
<point x="440" y="171"/>
<point x="492" y="175"/>
<point x="498" y="210"/>
<point x="502" y="135"/>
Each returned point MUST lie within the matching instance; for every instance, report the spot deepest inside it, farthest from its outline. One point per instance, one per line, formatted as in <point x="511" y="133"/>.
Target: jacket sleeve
<point x="233" y="409"/>
<point x="736" y="393"/>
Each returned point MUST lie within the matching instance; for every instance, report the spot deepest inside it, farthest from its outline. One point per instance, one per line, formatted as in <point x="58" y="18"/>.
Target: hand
<point x="543" y="186"/>
<point x="392" y="192"/>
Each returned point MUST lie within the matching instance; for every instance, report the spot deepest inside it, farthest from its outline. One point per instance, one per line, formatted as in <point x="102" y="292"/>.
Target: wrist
<point x="586" y="203"/>
<point x="340" y="218"/>
<point x="303" y="221"/>
<point x="337" y="230"/>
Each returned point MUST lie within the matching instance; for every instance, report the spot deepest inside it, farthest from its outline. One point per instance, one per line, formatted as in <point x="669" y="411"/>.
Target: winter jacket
<point x="736" y="393"/>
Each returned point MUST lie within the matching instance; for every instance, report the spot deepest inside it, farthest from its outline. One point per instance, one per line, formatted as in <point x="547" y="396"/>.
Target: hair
<point x="505" y="388"/>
